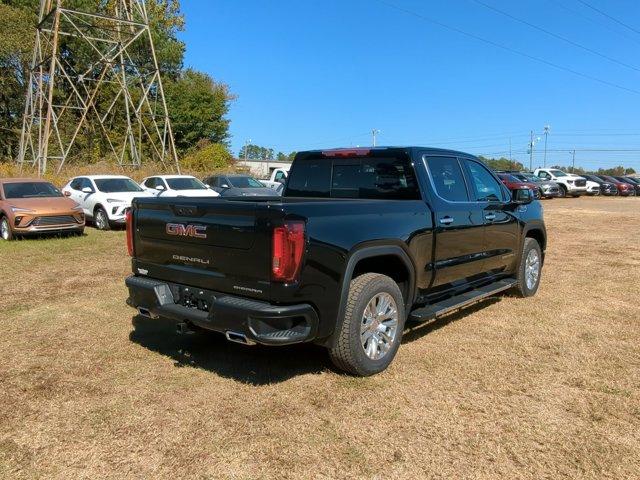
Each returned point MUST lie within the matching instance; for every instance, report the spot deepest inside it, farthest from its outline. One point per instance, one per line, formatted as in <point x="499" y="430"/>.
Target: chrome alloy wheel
<point x="532" y="269"/>
<point x="379" y="326"/>
<point x="101" y="220"/>
<point x="4" y="229"/>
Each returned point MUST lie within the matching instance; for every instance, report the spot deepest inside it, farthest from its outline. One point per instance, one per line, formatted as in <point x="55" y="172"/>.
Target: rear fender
<point x="366" y="252"/>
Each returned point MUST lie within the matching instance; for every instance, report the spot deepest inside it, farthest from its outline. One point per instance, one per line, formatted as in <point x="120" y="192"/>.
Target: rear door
<point x="458" y="221"/>
<point x="501" y="235"/>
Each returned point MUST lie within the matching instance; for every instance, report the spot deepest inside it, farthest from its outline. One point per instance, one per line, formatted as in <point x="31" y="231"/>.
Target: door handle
<point x="490" y="216"/>
<point x="446" y="220"/>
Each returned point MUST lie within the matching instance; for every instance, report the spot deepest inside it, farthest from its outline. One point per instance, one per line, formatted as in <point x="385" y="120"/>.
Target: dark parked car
<point x="624" y="189"/>
<point x="360" y="241"/>
<point x="239" y="186"/>
<point x="606" y="188"/>
<point x="635" y="185"/>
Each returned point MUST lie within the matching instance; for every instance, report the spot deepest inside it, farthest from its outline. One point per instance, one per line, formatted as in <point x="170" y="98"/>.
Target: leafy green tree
<point x="17" y="26"/>
<point x="256" y="152"/>
<point x="502" y="163"/>
<point x="284" y="157"/>
<point x="198" y="107"/>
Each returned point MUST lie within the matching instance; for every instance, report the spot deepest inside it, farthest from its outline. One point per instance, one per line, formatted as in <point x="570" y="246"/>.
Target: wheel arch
<point x="390" y="260"/>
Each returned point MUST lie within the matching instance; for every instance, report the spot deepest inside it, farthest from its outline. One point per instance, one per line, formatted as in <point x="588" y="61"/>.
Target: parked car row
<point x="552" y="182"/>
<point x="31" y="206"/>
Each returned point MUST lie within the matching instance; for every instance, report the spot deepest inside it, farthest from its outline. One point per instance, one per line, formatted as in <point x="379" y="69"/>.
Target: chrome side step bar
<point x="438" y="309"/>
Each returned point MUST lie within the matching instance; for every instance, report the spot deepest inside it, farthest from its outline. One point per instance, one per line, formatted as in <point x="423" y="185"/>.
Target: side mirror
<point x="87" y="190"/>
<point x="66" y="193"/>
<point x="160" y="188"/>
<point x="522" y="196"/>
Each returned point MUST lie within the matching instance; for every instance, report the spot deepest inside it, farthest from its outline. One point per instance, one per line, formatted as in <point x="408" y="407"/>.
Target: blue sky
<point x="315" y="74"/>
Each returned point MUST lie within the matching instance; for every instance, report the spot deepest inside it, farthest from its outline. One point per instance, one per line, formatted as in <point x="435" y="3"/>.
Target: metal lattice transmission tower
<point x="95" y="88"/>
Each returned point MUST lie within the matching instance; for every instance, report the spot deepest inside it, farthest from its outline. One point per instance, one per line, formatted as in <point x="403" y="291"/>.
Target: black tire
<point x="562" y="191"/>
<point x="101" y="223"/>
<point x="348" y="354"/>
<point x="5" y="229"/>
<point x="522" y="288"/>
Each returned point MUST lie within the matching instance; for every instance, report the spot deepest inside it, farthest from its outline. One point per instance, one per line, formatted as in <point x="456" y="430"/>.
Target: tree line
<point x="256" y="152"/>
<point x="198" y="105"/>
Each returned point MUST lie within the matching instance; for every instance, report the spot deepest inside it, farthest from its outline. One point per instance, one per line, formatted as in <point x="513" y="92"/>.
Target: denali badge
<point x="182" y="258"/>
<point x="180" y="230"/>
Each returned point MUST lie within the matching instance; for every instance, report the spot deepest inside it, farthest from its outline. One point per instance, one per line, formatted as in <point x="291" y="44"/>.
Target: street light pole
<point x="547" y="129"/>
<point x="374" y="132"/>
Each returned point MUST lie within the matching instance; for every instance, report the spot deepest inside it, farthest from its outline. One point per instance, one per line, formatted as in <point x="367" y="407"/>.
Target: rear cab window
<point x="375" y="176"/>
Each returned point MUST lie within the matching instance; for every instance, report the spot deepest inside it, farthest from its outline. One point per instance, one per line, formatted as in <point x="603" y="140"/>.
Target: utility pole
<point x="573" y="161"/>
<point x="374" y="132"/>
<point x="531" y="152"/>
<point x="510" y="153"/>
<point x="547" y="129"/>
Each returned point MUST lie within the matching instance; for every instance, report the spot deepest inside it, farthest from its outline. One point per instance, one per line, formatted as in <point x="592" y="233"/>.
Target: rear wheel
<point x="101" y="219"/>
<point x="530" y="268"/>
<point x="5" y="229"/>
<point x="371" y="330"/>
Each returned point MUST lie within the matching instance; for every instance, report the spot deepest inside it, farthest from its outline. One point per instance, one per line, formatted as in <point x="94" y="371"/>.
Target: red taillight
<point x="347" y="152"/>
<point x="288" y="246"/>
<point x="129" y="221"/>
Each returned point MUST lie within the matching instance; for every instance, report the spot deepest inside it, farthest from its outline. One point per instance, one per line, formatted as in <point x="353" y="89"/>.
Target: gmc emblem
<point x="180" y="230"/>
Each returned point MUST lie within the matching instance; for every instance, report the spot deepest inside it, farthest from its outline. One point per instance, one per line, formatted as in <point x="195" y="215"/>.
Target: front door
<point x="459" y="224"/>
<point x="501" y="235"/>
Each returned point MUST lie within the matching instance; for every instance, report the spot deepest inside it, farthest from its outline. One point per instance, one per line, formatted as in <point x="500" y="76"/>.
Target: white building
<point x="262" y="168"/>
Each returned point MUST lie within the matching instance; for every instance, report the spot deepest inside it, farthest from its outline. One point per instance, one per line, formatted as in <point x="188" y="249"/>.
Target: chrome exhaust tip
<point x="238" y="338"/>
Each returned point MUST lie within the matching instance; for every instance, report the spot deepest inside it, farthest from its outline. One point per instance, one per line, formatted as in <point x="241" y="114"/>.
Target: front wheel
<point x="530" y="268"/>
<point x="5" y="229"/>
<point x="562" y="192"/>
<point x="371" y="330"/>
<point x="101" y="219"/>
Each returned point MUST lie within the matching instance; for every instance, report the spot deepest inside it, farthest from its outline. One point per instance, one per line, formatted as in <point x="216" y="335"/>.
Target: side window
<point x="75" y="184"/>
<point x="279" y="176"/>
<point x="485" y="187"/>
<point x="84" y="183"/>
<point x="448" y="178"/>
<point x="150" y="182"/>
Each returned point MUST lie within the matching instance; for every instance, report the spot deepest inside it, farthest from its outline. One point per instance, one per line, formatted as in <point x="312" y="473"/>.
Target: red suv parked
<point x="512" y="183"/>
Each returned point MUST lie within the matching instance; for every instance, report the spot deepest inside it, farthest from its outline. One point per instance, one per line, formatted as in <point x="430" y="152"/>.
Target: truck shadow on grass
<point x="256" y="365"/>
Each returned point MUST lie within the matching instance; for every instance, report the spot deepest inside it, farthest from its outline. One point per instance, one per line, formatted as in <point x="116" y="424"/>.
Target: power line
<point x="507" y="48"/>
<point x="605" y="14"/>
<point x="593" y="21"/>
<point x="555" y="35"/>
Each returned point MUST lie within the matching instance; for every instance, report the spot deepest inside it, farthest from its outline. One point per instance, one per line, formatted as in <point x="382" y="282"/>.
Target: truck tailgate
<point x="212" y="244"/>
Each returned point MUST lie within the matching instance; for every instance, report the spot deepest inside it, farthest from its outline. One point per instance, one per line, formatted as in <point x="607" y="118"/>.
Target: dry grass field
<point x="547" y="387"/>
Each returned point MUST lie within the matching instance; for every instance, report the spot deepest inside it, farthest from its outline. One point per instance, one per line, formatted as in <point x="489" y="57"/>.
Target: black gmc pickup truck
<point x="361" y="241"/>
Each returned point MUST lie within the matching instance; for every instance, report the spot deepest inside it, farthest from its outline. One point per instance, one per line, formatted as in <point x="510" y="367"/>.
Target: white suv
<point x="569" y="183"/>
<point x="104" y="198"/>
<point x="177" y="186"/>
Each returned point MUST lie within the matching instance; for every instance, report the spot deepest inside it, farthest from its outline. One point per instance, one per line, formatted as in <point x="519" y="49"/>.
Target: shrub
<point x="207" y="158"/>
